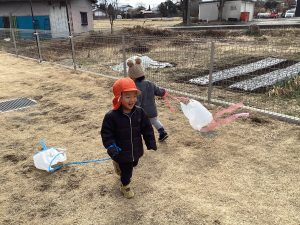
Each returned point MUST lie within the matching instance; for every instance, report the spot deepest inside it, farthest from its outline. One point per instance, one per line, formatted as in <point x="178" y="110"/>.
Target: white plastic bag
<point x="45" y="159"/>
<point x="197" y="114"/>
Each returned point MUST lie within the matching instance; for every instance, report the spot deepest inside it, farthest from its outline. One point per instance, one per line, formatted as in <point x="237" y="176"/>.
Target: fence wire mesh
<point x="253" y="72"/>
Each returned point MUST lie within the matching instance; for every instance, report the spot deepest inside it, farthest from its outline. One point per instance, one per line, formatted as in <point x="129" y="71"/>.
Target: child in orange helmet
<point x="122" y="130"/>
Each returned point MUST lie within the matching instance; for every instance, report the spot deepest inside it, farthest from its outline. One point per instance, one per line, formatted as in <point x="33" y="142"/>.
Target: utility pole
<point x="35" y="32"/>
<point x="188" y="13"/>
<point x="68" y="18"/>
<point x="186" y="8"/>
<point x="71" y="36"/>
<point x="32" y="17"/>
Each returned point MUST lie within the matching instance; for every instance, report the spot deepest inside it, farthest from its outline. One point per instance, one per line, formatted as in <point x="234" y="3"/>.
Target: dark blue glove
<point x="152" y="146"/>
<point x="113" y="150"/>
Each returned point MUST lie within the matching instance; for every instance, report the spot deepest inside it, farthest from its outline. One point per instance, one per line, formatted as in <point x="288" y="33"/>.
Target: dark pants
<point x="126" y="171"/>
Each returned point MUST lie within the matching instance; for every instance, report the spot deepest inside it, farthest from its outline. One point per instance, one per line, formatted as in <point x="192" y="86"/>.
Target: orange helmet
<point x="122" y="85"/>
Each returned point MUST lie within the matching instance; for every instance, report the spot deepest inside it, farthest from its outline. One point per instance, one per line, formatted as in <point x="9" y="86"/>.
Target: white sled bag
<point x="197" y="114"/>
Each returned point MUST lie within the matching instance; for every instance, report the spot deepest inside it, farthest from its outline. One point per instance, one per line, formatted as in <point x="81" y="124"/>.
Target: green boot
<point x="127" y="191"/>
<point x="117" y="168"/>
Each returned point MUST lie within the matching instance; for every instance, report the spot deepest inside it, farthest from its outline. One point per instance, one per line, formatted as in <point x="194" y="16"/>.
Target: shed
<point x="208" y="10"/>
<point x="48" y="15"/>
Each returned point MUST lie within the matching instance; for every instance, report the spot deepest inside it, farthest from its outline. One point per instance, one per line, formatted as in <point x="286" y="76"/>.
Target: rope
<point x="175" y="98"/>
<point x="217" y="121"/>
<point x="88" y="161"/>
<point x="77" y="163"/>
<point x="44" y="148"/>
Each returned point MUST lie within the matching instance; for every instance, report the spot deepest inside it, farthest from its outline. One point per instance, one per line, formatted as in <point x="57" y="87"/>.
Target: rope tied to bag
<point x="52" y="158"/>
<point x="199" y="117"/>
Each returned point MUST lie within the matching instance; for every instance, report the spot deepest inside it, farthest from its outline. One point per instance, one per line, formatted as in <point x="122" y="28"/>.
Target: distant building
<point x="49" y="15"/>
<point x="99" y="14"/>
<point x="233" y="9"/>
<point x="147" y="13"/>
<point x="125" y="8"/>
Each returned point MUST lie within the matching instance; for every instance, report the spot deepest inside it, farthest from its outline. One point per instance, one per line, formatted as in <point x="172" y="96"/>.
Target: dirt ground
<point x="244" y="173"/>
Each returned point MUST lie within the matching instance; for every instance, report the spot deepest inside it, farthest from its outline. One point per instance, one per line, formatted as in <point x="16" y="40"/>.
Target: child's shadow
<point x="209" y="134"/>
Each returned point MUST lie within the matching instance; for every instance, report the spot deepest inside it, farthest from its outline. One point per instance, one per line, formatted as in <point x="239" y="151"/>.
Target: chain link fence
<point x="215" y="70"/>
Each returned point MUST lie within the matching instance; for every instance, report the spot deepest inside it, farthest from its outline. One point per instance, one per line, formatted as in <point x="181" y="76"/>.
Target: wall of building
<point x="23" y="8"/>
<point x="22" y="17"/>
<point x="248" y="7"/>
<point x="78" y="6"/>
<point x="232" y="10"/>
<point x="49" y="15"/>
<point x="59" y="20"/>
<point x="208" y="11"/>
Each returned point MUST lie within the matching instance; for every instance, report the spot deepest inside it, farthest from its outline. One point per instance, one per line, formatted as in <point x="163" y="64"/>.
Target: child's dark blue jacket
<point x="126" y="131"/>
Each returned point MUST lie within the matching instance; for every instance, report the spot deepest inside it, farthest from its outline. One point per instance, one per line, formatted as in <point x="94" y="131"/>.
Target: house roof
<point x="125" y="6"/>
<point x="146" y="12"/>
<point x="98" y="9"/>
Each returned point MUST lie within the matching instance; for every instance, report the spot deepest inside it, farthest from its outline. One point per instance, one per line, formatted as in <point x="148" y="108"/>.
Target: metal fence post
<point x="211" y="68"/>
<point x="12" y="32"/>
<point x="124" y="56"/>
<point x="73" y="51"/>
<point x="39" y="46"/>
<point x="14" y="40"/>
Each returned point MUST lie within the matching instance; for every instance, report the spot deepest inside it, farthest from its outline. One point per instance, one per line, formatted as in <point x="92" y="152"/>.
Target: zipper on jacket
<point x="131" y="134"/>
<point x="131" y="139"/>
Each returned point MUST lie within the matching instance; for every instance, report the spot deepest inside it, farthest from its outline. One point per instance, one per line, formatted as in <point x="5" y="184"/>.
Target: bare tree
<point x="112" y="16"/>
<point x="140" y="4"/>
<point x="220" y="9"/>
<point x="185" y="7"/>
<point x="111" y="9"/>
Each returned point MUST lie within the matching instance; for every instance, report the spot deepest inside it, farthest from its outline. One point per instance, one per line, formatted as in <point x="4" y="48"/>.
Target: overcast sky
<point x="146" y="3"/>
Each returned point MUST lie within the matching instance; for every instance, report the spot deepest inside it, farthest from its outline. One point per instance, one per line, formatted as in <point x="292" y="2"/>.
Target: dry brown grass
<point x="244" y="173"/>
<point x="190" y="54"/>
<point x="151" y="22"/>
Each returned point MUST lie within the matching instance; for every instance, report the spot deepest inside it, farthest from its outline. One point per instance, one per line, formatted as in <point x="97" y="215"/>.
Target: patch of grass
<point x="253" y="30"/>
<point x="290" y="88"/>
<point x="140" y="30"/>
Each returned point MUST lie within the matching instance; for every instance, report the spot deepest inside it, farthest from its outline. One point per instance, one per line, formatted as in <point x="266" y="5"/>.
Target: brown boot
<point x="117" y="168"/>
<point x="127" y="191"/>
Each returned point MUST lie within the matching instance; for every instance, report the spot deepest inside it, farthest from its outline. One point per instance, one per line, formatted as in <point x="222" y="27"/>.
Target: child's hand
<point x="113" y="150"/>
<point x="152" y="146"/>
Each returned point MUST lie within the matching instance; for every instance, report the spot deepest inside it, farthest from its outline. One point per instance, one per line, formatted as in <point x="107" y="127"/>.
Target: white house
<point x="125" y="8"/>
<point x="49" y="15"/>
<point x="233" y="9"/>
<point x="99" y="13"/>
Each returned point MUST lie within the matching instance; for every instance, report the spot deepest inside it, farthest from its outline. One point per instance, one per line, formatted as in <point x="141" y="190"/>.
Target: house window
<point x="6" y="22"/>
<point x="84" y="18"/>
